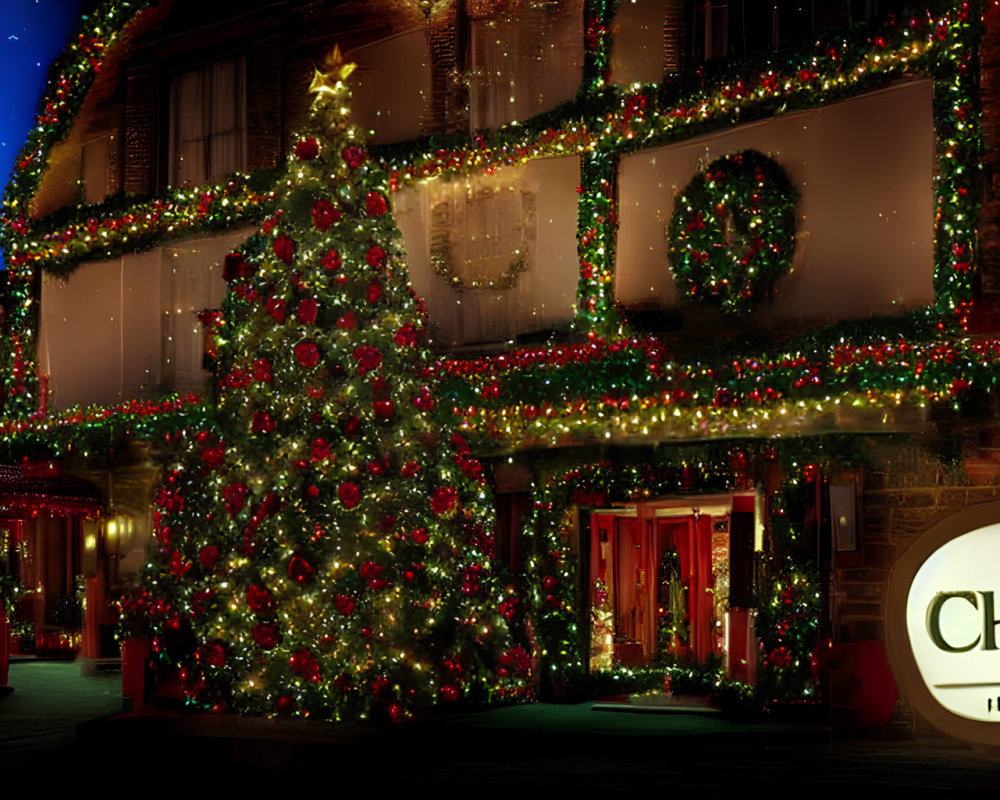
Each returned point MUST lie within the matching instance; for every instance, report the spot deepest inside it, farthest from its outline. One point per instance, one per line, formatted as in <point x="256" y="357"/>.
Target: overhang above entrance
<point x="27" y="490"/>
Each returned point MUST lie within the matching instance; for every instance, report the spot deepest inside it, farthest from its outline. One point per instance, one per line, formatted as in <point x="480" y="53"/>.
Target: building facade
<point x="710" y="287"/>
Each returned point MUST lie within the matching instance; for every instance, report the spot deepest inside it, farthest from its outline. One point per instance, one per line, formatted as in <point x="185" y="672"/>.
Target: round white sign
<point x="953" y="624"/>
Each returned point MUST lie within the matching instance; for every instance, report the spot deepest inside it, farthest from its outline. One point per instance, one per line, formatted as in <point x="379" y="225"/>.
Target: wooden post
<point x="92" y="619"/>
<point x="4" y="651"/>
<point x="742" y="646"/>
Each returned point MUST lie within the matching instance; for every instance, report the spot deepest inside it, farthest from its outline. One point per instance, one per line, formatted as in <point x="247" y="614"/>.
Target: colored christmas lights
<point x="597" y="236"/>
<point x="110" y="229"/>
<point x="615" y="122"/>
<point x="327" y="340"/>
<point x="627" y="388"/>
<point x="691" y="470"/>
<point x="92" y="431"/>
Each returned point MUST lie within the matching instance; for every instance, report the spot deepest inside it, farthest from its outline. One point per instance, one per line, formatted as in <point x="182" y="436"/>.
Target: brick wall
<point x="989" y="227"/>
<point x="139" y="120"/>
<point x="264" y="131"/>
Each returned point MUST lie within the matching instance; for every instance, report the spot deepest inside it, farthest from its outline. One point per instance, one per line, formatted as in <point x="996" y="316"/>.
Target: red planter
<point x="134" y="654"/>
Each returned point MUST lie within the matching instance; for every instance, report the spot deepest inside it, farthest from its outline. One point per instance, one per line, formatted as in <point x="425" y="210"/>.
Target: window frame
<point x="171" y="167"/>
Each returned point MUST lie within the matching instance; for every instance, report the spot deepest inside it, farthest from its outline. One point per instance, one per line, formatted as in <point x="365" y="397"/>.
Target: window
<point x="97" y="163"/>
<point x="481" y="240"/>
<point x="716" y="29"/>
<point x="392" y="86"/>
<point x="208" y="122"/>
<point x="118" y="330"/>
<point x="494" y="256"/>
<point x="520" y="65"/>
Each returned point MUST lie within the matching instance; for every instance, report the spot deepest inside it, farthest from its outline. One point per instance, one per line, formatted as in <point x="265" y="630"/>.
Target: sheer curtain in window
<point x="522" y="64"/>
<point x="208" y="122"/>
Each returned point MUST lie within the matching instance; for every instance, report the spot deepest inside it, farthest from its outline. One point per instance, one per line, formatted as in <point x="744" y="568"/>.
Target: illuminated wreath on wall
<point x="732" y="233"/>
<point x="521" y="227"/>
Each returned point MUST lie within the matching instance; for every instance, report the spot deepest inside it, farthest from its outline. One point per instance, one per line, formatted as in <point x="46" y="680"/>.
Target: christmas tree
<point x="323" y="547"/>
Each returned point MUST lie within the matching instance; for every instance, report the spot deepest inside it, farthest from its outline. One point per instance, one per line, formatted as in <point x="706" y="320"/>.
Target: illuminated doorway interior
<point x="660" y="581"/>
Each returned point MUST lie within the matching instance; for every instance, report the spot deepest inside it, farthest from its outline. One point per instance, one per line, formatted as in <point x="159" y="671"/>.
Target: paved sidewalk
<point x="49" y="700"/>
<point x="55" y="725"/>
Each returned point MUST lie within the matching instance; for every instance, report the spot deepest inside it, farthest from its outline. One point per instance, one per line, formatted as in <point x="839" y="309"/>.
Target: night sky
<point x="32" y="34"/>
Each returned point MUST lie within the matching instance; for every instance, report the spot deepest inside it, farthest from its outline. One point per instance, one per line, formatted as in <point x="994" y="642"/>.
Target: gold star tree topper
<point x="333" y="70"/>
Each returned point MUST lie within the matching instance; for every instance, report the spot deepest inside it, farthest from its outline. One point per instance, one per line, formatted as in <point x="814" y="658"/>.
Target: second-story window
<point x="524" y="63"/>
<point x="716" y="28"/>
<point x="208" y="122"/>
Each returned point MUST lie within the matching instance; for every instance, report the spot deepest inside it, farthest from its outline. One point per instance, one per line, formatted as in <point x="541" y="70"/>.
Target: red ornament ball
<point x="344" y="604"/>
<point x="443" y="499"/>
<point x="331" y="261"/>
<point x="324" y="214"/>
<point x="275" y="306"/>
<point x="320" y="450"/>
<point x="349" y="494"/>
<point x="212" y="457"/>
<point x="306" y="311"/>
<point x="208" y="556"/>
<point x="375" y="204"/>
<point x="368" y="358"/>
<point x="262" y="423"/>
<point x="307" y="354"/>
<point x="305" y="665"/>
<point x="306" y="149"/>
<point x="300" y="570"/>
<point x="420" y="536"/>
<point x="354" y="156"/>
<point x="260" y="601"/>
<point x="424" y="401"/>
<point x="375" y="256"/>
<point x="284" y="248"/>
<point x="235" y="497"/>
<point x="262" y="371"/>
<point x="265" y="635"/>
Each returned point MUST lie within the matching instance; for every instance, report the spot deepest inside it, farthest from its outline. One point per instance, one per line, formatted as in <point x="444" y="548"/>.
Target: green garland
<point x="124" y="224"/>
<point x="604" y="122"/>
<point x="732" y="233"/>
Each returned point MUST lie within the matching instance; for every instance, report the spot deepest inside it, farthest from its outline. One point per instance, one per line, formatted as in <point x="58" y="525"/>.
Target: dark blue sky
<point x="32" y="34"/>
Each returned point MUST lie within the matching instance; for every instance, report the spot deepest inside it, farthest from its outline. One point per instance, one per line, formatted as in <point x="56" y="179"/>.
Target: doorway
<point x="659" y="580"/>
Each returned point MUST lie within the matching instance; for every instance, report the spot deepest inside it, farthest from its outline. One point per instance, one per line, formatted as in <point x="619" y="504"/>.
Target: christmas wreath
<point x="732" y="233"/>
